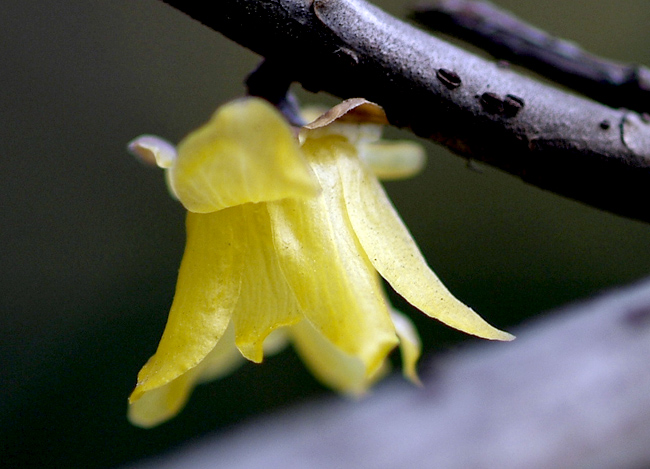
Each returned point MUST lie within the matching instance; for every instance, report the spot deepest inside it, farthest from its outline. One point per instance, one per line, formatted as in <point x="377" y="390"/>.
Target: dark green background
<point x="91" y="242"/>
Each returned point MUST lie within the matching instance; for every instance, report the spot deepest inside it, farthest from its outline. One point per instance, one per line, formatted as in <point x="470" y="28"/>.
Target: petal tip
<point x="153" y="151"/>
<point x="504" y="337"/>
<point x="413" y="378"/>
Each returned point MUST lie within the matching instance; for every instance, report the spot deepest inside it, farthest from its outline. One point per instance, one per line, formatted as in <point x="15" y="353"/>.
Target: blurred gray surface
<point x="573" y="391"/>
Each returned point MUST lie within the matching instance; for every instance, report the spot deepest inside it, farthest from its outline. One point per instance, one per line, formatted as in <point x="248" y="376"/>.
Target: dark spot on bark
<point x="448" y="78"/>
<point x="491" y="103"/>
<point x="605" y="124"/>
<point x="512" y="105"/>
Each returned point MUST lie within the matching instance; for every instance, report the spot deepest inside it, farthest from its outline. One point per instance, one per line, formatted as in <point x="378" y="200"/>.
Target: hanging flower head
<point x="287" y="237"/>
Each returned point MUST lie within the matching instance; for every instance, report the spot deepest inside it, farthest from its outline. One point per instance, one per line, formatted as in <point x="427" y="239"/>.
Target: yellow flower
<point x="286" y="239"/>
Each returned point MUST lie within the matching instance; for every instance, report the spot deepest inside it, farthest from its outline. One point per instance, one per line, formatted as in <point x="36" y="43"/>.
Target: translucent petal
<point x="409" y="344"/>
<point x="157" y="151"/>
<point x="246" y="153"/>
<point x="206" y="293"/>
<point x="222" y="360"/>
<point x="163" y="403"/>
<point x="393" y="160"/>
<point x="276" y="341"/>
<point x="336" y="287"/>
<point x="350" y="111"/>
<point x="153" y="150"/>
<point x="334" y="368"/>
<point x="266" y="302"/>
<point x="160" y="404"/>
<point x="355" y="133"/>
<point x="395" y="255"/>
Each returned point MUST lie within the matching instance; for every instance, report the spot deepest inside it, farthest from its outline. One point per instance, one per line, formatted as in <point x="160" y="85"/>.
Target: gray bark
<point x="558" y="141"/>
<point x="573" y="391"/>
<point x="509" y="38"/>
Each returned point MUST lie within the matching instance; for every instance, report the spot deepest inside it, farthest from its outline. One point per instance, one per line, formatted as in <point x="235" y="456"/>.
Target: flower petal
<point x="161" y="404"/>
<point x="353" y="110"/>
<point x="266" y="302"/>
<point x="336" y="286"/>
<point x="206" y="293"/>
<point x="153" y="150"/>
<point x="409" y="344"/>
<point x="393" y="160"/>
<point x="334" y="368"/>
<point x="246" y="153"/>
<point x="395" y="255"/>
<point x="276" y="341"/>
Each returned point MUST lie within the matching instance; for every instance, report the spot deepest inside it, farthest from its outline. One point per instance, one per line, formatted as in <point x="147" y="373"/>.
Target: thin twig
<point x="557" y="141"/>
<point x="509" y="38"/>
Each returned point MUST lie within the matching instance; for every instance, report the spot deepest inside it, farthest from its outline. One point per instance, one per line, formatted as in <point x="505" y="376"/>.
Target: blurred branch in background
<point x="557" y="141"/>
<point x="573" y="391"/>
<point x="508" y="38"/>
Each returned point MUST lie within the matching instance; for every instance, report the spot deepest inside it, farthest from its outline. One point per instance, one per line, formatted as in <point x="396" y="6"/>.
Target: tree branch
<point x="272" y="83"/>
<point x="507" y="37"/>
<point x="557" y="141"/>
<point x="573" y="391"/>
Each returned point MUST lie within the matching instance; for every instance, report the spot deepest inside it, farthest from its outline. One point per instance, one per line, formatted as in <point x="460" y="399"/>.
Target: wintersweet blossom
<point x="287" y="236"/>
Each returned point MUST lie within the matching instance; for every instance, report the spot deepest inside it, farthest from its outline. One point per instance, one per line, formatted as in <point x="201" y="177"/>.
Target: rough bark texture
<point x="573" y="391"/>
<point x="507" y="37"/>
<point x="558" y="141"/>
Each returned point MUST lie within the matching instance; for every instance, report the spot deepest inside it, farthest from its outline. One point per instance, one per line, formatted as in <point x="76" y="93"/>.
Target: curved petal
<point x="276" y="341"/>
<point x="334" y="368"/>
<point x="266" y="302"/>
<point x="393" y="160"/>
<point x="409" y="345"/>
<point x="246" y="153"/>
<point x="395" y="255"/>
<point x="153" y="150"/>
<point x="223" y="359"/>
<point x="161" y="404"/>
<point x="336" y="287"/>
<point x="206" y="293"/>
